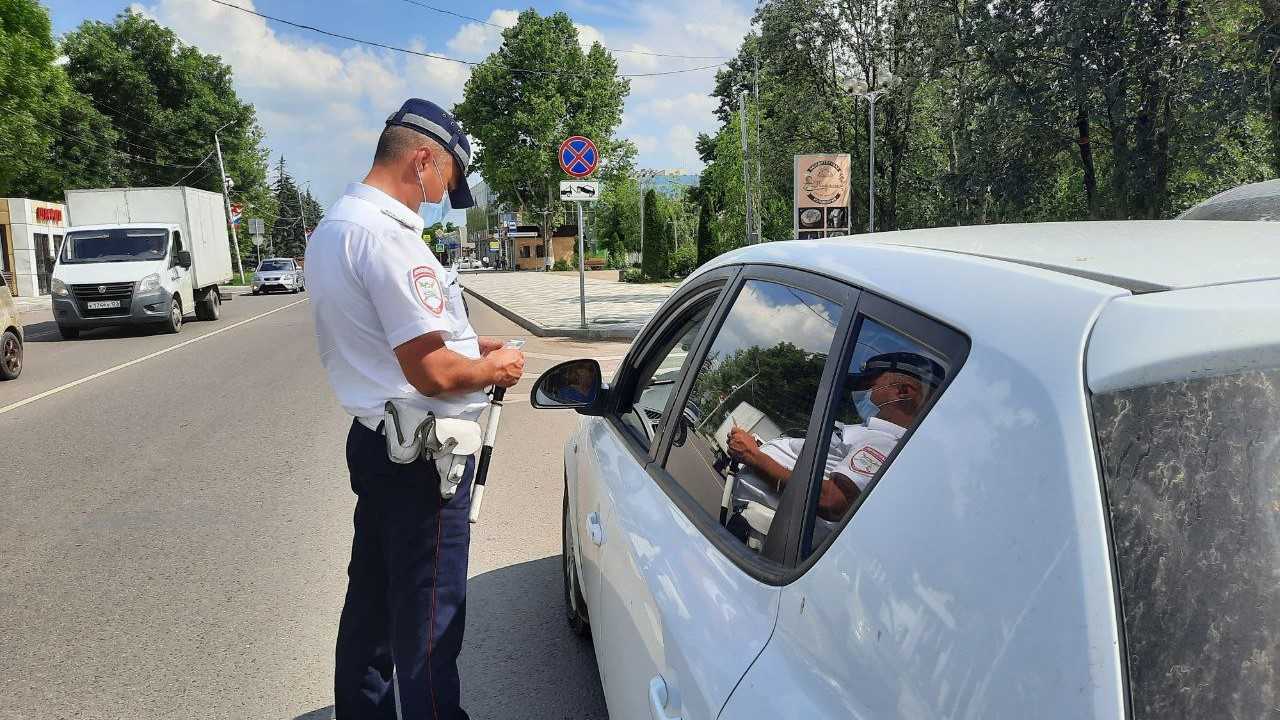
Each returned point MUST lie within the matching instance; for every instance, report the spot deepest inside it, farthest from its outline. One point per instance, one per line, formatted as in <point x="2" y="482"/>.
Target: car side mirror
<point x="574" y="385"/>
<point x="184" y="259"/>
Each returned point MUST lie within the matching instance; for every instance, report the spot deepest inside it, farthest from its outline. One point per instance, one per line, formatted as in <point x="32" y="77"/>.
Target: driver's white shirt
<point x="376" y="285"/>
<point x="857" y="452"/>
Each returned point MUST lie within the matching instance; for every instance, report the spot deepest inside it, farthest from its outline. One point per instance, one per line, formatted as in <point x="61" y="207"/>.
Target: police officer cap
<point x="432" y="120"/>
<point x="908" y="363"/>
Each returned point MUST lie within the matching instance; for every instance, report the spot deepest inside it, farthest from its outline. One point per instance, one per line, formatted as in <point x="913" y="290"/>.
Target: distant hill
<point x="669" y="183"/>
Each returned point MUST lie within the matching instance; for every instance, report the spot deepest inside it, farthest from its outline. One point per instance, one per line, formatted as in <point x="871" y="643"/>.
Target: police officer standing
<point x="391" y="326"/>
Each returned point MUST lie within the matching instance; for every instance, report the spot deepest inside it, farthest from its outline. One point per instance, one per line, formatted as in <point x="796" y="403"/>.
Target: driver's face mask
<point x="433" y="212"/>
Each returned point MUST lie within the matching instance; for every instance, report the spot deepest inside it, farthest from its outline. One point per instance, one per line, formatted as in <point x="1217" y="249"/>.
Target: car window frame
<point x="770" y="566"/>
<point x="669" y="319"/>
<point x="949" y="342"/>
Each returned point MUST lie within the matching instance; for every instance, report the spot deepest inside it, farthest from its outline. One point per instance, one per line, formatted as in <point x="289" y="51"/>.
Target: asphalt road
<point x="179" y="521"/>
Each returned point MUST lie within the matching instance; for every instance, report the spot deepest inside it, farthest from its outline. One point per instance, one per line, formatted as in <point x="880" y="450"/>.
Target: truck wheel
<point x="68" y="333"/>
<point x="209" y="307"/>
<point x="173" y="325"/>
<point x="10" y="355"/>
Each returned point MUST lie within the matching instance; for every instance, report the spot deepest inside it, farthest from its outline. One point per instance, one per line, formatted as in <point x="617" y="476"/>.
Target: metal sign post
<point x="578" y="158"/>
<point x="582" y="270"/>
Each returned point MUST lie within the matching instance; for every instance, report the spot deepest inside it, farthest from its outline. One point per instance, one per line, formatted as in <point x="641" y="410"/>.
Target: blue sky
<point x="322" y="101"/>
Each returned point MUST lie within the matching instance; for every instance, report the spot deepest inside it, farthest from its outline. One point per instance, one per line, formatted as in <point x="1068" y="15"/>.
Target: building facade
<point x="31" y="233"/>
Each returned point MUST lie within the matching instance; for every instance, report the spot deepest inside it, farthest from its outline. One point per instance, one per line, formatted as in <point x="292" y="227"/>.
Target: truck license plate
<point x="102" y="304"/>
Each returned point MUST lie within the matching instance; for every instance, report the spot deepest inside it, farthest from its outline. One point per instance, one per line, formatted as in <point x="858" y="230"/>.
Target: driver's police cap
<point x="433" y="121"/>
<point x="915" y="365"/>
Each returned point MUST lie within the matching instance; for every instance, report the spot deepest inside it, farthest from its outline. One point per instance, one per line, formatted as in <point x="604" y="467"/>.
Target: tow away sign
<point x="579" y="190"/>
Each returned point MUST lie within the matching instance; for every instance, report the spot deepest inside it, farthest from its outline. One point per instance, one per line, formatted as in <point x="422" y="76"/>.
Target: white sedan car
<point x="989" y="472"/>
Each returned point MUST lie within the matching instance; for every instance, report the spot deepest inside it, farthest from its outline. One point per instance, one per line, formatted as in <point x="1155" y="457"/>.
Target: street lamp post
<point x="858" y="88"/>
<point x="871" y="97"/>
<point x="644" y="176"/>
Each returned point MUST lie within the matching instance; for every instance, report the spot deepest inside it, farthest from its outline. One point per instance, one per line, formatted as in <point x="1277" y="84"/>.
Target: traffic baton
<point x="490" y="435"/>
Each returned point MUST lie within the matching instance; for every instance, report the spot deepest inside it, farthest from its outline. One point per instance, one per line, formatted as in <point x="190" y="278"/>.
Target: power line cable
<point x="202" y="162"/>
<point x="98" y="143"/>
<point x="437" y="56"/>
<point x="614" y="50"/>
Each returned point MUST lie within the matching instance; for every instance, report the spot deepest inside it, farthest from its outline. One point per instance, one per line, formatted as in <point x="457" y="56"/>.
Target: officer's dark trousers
<point x="406" y="592"/>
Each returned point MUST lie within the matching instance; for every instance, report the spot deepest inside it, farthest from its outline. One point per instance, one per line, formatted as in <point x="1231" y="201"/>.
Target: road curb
<point x="621" y="332"/>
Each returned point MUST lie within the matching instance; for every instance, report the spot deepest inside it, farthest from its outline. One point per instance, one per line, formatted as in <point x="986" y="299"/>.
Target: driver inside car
<point x="898" y="385"/>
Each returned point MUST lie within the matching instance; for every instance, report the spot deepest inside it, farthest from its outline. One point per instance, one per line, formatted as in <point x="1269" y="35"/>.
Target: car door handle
<point x="658" y="699"/>
<point x="595" y="529"/>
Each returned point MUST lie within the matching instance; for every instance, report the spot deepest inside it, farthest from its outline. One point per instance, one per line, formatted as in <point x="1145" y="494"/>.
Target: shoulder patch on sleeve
<point x="427" y="287"/>
<point x="866" y="461"/>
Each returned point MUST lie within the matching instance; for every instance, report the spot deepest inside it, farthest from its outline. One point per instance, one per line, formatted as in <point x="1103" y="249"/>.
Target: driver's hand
<point x="742" y="445"/>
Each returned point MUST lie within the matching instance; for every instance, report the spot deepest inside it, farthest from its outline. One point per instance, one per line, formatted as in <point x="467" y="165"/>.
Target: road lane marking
<point x="144" y="358"/>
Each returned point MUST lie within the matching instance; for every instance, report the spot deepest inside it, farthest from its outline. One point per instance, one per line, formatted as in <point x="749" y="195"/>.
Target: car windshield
<point x="115" y="245"/>
<point x="1192" y="477"/>
<point x="275" y="265"/>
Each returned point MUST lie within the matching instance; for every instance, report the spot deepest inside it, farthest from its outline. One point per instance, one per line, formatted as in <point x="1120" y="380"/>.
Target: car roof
<point x="1255" y="201"/>
<point x="1138" y="256"/>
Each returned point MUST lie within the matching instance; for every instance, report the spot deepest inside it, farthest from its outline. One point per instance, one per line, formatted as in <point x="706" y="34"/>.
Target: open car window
<point x="745" y="423"/>
<point x="660" y="377"/>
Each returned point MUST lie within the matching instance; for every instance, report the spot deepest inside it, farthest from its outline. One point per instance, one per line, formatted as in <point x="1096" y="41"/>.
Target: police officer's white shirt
<point x="857" y="452"/>
<point x="869" y="445"/>
<point x="374" y="286"/>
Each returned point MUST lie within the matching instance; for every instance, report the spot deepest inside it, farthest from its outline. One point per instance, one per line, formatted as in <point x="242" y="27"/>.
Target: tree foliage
<point x="522" y="101"/>
<point x="165" y="99"/>
<point x="47" y="131"/>
<point x="1002" y="112"/>
<point x="655" y="260"/>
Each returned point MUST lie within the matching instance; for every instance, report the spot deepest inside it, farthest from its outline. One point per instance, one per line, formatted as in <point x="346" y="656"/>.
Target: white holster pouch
<point x="413" y="433"/>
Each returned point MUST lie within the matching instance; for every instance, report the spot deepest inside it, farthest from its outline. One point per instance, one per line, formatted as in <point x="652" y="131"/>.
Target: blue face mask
<point x="866" y="408"/>
<point x="433" y="212"/>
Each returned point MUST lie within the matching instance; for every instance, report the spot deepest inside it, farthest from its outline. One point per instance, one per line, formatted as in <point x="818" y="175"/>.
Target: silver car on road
<point x="278" y="274"/>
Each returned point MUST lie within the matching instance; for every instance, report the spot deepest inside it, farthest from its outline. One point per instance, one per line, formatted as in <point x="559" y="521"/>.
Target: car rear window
<point x="1192" y="477"/>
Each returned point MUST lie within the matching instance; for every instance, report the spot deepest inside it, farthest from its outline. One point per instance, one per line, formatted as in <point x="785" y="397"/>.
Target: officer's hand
<point x="489" y="344"/>
<point x="508" y="366"/>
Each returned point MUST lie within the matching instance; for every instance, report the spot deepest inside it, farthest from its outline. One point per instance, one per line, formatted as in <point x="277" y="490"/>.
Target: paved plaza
<point x="546" y="304"/>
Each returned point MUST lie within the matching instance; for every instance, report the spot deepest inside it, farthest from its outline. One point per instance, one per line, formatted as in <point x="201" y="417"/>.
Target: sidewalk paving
<point x="546" y="304"/>
<point x="34" y="304"/>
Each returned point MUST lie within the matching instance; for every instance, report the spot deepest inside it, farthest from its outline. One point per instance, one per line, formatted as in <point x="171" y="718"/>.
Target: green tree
<point x="287" y="229"/>
<point x="50" y="136"/>
<point x="705" y="248"/>
<point x="520" y="117"/>
<point x="165" y="100"/>
<point x="655" y="263"/>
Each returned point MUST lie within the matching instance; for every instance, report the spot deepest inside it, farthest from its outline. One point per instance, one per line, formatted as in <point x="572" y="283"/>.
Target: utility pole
<point x="302" y="214"/>
<point x="235" y="242"/>
<point x="759" y="184"/>
<point x="746" y="169"/>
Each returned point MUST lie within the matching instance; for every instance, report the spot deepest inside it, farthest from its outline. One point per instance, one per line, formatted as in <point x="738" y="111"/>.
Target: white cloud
<point x="322" y="107"/>
<point x="474" y="40"/>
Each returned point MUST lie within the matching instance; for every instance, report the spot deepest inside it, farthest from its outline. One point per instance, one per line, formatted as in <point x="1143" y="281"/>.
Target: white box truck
<point x="140" y="256"/>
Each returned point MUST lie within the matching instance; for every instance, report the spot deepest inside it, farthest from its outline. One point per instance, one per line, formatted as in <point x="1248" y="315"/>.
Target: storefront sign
<point x="49" y="215"/>
<point x="821" y="196"/>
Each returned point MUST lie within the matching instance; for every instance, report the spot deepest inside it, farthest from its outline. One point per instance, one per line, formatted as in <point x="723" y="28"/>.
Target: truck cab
<point x="124" y="274"/>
